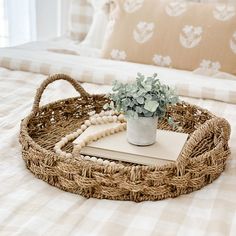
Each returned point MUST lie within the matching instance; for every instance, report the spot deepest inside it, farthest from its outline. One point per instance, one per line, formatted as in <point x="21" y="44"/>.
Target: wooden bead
<point x="69" y="136"/>
<point x="91" y="113"/>
<point x="99" y="120"/>
<point x="83" y="127"/>
<point x="102" y="113"/>
<point x="79" y="132"/>
<point x="93" y="159"/>
<point x="87" y="123"/>
<point x="114" y="118"/>
<point x="106" y="162"/>
<point x="74" y="135"/>
<point x="121" y="117"/>
<point x="62" y="143"/>
<point x="93" y="121"/>
<point x="63" y="154"/>
<point x="99" y="161"/>
<point x="112" y="131"/>
<point x="117" y="129"/>
<point x="107" y="113"/>
<point x="78" y="147"/>
<point x="87" y="158"/>
<point x="122" y="127"/>
<point x="68" y="155"/>
<point x="110" y="119"/>
<point x="59" y="150"/>
<point x="64" y="139"/>
<point x="105" y="119"/>
<point x="107" y="132"/>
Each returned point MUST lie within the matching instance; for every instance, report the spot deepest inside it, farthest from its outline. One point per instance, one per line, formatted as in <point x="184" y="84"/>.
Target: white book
<point x="166" y="149"/>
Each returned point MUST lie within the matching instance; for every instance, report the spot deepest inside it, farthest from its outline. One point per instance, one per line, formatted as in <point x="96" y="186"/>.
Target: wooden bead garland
<point x="95" y="119"/>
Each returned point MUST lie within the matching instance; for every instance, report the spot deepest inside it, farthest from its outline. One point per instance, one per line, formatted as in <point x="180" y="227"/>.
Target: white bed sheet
<point x="62" y="45"/>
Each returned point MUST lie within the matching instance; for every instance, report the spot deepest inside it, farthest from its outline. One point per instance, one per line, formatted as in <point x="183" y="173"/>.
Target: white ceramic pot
<point x="142" y="131"/>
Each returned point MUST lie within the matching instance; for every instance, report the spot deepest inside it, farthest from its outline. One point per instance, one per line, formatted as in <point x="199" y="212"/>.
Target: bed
<point x="29" y="206"/>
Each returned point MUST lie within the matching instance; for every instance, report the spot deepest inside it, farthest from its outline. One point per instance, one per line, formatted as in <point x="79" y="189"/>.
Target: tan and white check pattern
<point x="80" y="19"/>
<point x="100" y="71"/>
<point x="29" y="206"/>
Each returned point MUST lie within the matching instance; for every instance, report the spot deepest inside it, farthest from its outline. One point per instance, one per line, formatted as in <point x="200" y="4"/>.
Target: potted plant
<point x="143" y="102"/>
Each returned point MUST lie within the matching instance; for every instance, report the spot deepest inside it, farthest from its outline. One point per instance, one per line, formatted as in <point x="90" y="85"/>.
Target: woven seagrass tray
<point x="202" y="160"/>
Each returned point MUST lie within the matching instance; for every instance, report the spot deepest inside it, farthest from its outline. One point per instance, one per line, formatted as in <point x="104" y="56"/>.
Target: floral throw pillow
<point x="173" y="33"/>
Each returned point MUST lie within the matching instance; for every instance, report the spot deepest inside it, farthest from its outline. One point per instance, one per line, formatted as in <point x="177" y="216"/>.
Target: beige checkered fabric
<point x="100" y="71"/>
<point x="80" y="19"/>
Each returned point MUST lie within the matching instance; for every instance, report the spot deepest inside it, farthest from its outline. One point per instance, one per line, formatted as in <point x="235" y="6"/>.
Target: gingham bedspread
<point x="29" y="206"/>
<point x="100" y="71"/>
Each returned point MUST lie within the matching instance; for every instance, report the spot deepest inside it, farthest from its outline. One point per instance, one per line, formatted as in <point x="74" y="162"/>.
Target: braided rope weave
<point x="202" y="160"/>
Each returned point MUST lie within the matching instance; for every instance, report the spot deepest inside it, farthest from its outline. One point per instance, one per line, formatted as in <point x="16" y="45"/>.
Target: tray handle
<point x="50" y="80"/>
<point x="212" y="125"/>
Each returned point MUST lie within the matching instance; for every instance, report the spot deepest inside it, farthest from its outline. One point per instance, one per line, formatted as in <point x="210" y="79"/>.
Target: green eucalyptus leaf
<point x="148" y="97"/>
<point x="112" y="104"/>
<point x="135" y="116"/>
<point x="141" y="92"/>
<point x="116" y="86"/>
<point x="149" y="114"/>
<point x="106" y="106"/>
<point x="151" y="105"/>
<point x="140" y="100"/>
<point x="130" y="113"/>
<point x="139" y="109"/>
<point x="148" y="87"/>
<point x="131" y="103"/>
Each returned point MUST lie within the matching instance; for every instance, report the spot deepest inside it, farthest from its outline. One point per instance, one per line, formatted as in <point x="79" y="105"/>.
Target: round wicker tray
<point x="202" y="160"/>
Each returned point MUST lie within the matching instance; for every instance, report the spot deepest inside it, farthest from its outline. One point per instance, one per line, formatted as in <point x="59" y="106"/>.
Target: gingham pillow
<point x="80" y="19"/>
